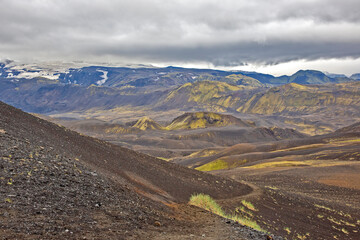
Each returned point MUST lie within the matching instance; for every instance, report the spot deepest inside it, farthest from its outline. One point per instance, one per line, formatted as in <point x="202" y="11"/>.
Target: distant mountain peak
<point x="355" y="76"/>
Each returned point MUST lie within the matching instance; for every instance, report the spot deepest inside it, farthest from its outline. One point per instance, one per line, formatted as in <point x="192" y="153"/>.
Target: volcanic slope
<point x="56" y="184"/>
<point x="307" y="188"/>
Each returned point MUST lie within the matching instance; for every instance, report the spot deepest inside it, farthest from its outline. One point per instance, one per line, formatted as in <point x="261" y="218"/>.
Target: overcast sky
<point x="278" y="37"/>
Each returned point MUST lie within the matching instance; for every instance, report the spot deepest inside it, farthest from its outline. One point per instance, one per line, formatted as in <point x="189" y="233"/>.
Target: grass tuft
<point x="206" y="202"/>
<point x="248" y="205"/>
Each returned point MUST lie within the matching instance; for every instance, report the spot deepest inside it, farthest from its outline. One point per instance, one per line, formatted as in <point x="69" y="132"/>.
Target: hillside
<point x="231" y="136"/>
<point x="207" y="95"/>
<point x="355" y="76"/>
<point x="89" y="150"/>
<point x="147" y="123"/>
<point x="206" y="119"/>
<point x="308" y="188"/>
<point x="47" y="89"/>
<point x="240" y="79"/>
<point x="310" y="77"/>
<point x="295" y="99"/>
<point x="59" y="184"/>
<point x="350" y="129"/>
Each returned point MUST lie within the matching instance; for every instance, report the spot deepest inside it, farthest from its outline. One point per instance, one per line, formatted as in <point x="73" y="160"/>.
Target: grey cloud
<point x="224" y="33"/>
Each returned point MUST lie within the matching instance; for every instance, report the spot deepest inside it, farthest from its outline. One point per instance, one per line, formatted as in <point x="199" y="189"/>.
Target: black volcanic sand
<point x="57" y="184"/>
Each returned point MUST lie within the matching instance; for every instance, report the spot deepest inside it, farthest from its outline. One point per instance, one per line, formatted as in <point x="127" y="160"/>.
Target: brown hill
<point x="308" y="188"/>
<point x="231" y="136"/>
<point x="144" y="172"/>
<point x="245" y="154"/>
<point x="59" y="184"/>
<point x="349" y="129"/>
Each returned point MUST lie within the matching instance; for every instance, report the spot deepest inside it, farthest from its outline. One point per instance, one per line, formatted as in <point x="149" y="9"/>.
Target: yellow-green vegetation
<point x="202" y="120"/>
<point x="298" y="98"/>
<point x="214" y="165"/>
<point x="248" y="205"/>
<point x="147" y="123"/>
<point x="220" y="164"/>
<point x="300" y="148"/>
<point x="203" y="153"/>
<point x="305" y="163"/>
<point x="341" y="141"/>
<point x="240" y="79"/>
<point x="324" y="207"/>
<point x="242" y="210"/>
<point x="288" y="230"/>
<point x="212" y="93"/>
<point x="333" y="220"/>
<point x="278" y="164"/>
<point x="206" y="202"/>
<point x="302" y="237"/>
<point x="118" y="130"/>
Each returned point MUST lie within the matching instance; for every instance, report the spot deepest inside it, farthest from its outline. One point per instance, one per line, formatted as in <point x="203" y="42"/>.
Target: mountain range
<point x="141" y="76"/>
<point x="168" y="88"/>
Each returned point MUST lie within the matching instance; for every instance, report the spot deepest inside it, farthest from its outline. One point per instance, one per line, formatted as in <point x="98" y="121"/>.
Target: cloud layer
<point x="223" y="33"/>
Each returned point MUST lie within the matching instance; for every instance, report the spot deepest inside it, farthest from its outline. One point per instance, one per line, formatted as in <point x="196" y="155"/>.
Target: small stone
<point x="157" y="224"/>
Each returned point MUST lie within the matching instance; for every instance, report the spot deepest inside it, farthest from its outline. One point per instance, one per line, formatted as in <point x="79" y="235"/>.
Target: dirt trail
<point x="232" y="203"/>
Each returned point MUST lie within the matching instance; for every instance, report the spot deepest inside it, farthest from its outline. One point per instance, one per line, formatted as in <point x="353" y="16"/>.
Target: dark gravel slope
<point x="55" y="185"/>
<point x="163" y="180"/>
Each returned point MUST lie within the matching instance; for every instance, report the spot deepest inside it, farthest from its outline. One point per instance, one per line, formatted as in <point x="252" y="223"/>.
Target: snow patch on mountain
<point x="104" y="77"/>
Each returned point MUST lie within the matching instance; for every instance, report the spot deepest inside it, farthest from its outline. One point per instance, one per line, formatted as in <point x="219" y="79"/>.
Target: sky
<point x="276" y="37"/>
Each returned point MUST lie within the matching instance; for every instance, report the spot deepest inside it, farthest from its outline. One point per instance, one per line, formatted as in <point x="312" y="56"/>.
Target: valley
<point x="180" y="120"/>
<point x="278" y="153"/>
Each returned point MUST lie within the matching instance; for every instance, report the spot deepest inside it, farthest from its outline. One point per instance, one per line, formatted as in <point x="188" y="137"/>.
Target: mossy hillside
<point x="297" y="98"/>
<point x="203" y="91"/>
<point x="147" y="123"/>
<point x="239" y="79"/>
<point x="221" y="164"/>
<point x="204" y="119"/>
<point x="210" y="95"/>
<point x="214" y="165"/>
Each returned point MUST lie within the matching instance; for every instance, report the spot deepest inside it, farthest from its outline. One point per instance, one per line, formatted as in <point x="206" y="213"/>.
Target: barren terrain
<point x="58" y="184"/>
